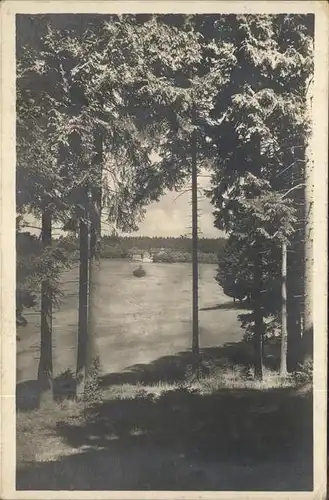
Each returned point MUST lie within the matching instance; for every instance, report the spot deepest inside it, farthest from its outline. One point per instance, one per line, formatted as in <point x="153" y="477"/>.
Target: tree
<point x="261" y="221"/>
<point x="186" y="104"/>
<point x="82" y="343"/>
<point x="234" y="273"/>
<point x="26" y="245"/>
<point x="195" y="272"/>
<point x="45" y="369"/>
<point x="43" y="185"/>
<point x="264" y="131"/>
<point x="284" y="332"/>
<point x="308" y="241"/>
<point x="35" y="182"/>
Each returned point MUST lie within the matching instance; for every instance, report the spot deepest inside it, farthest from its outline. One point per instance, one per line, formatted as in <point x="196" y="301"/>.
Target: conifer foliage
<point x="258" y="177"/>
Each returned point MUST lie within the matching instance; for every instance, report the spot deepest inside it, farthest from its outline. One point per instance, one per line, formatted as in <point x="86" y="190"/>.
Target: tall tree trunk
<point x="45" y="369"/>
<point x="294" y="296"/>
<point x="83" y="308"/>
<point x="258" y="315"/>
<point x="293" y="335"/>
<point x="94" y="279"/>
<point x="283" y="363"/>
<point x="94" y="267"/>
<point x="195" y="271"/>
<point x="308" y="242"/>
<point x="295" y="271"/>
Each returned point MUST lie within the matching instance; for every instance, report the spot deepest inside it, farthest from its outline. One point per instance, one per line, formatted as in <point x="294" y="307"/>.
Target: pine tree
<point x="264" y="131"/>
<point x="42" y="189"/>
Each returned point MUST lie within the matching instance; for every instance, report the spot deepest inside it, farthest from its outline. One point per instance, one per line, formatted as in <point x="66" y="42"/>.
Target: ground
<point x="155" y="426"/>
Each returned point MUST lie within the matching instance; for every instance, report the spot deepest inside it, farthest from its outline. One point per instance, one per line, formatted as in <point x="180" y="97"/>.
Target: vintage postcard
<point x="164" y="171"/>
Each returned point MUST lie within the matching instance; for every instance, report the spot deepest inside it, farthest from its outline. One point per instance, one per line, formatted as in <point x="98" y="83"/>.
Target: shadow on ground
<point x="232" y="439"/>
<point x="171" y="369"/>
<point x="27" y="395"/>
<point x="167" y="369"/>
<point x="227" y="305"/>
<point x="174" y="368"/>
<point x="28" y="392"/>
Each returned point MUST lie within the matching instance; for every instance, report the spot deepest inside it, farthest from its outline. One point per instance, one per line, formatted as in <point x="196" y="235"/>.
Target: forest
<point x="97" y="97"/>
<point x="126" y="244"/>
<point x="205" y="245"/>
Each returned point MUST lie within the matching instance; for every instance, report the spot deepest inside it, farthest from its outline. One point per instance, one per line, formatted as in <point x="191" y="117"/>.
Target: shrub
<point x="64" y="386"/>
<point x="93" y="393"/>
<point x="304" y="374"/>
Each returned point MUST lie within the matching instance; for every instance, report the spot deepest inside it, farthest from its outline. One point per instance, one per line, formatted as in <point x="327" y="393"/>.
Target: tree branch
<point x="292" y="189"/>
<point x="289" y="166"/>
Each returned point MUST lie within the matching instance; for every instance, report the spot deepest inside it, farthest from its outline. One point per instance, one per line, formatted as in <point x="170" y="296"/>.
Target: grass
<point x="231" y="378"/>
<point x="139" y="320"/>
<point x="36" y="434"/>
<point x="220" y="431"/>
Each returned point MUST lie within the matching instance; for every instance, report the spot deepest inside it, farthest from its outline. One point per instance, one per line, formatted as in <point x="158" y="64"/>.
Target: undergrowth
<point x="207" y="379"/>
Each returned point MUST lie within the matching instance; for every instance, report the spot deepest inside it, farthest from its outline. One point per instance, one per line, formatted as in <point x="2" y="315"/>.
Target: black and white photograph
<point x="166" y="248"/>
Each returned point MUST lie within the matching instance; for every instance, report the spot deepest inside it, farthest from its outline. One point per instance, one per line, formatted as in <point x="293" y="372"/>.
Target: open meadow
<point x="139" y="320"/>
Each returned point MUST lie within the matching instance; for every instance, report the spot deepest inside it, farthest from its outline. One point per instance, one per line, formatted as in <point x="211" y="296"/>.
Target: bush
<point x="64" y="386"/>
<point x="304" y="374"/>
<point x="170" y="256"/>
<point x="163" y="257"/>
<point x="93" y="393"/>
<point x="113" y="252"/>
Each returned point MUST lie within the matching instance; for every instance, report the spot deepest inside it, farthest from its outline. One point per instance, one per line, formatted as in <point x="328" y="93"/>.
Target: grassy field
<point x="154" y="426"/>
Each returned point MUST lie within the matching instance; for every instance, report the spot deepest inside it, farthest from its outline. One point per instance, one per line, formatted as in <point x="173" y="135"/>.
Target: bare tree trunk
<point x="83" y="308"/>
<point x="308" y="258"/>
<point x="295" y="274"/>
<point x="258" y="316"/>
<point x="45" y="369"/>
<point x="294" y="336"/>
<point x="195" y="271"/>
<point x="283" y="364"/>
<point x="294" y="295"/>
<point x="94" y="268"/>
<point x="94" y="279"/>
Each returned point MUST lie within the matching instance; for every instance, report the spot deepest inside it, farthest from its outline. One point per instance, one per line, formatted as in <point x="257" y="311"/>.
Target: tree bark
<point x="83" y="308"/>
<point x="308" y="242"/>
<point x="295" y="270"/>
<point x="45" y="369"/>
<point x="293" y="336"/>
<point x="94" y="279"/>
<point x="94" y="265"/>
<point x="195" y="271"/>
<point x="258" y="316"/>
<point x="283" y="363"/>
<point x="294" y="296"/>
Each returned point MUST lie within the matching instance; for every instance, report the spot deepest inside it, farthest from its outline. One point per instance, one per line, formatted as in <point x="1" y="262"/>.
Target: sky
<point x="171" y="216"/>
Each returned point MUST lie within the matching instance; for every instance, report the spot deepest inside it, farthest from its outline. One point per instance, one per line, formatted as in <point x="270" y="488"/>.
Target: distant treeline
<point x="164" y="249"/>
<point x="171" y="256"/>
<point x="147" y="243"/>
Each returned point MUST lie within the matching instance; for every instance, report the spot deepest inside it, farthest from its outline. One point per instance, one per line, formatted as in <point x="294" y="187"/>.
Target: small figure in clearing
<point x="139" y="272"/>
